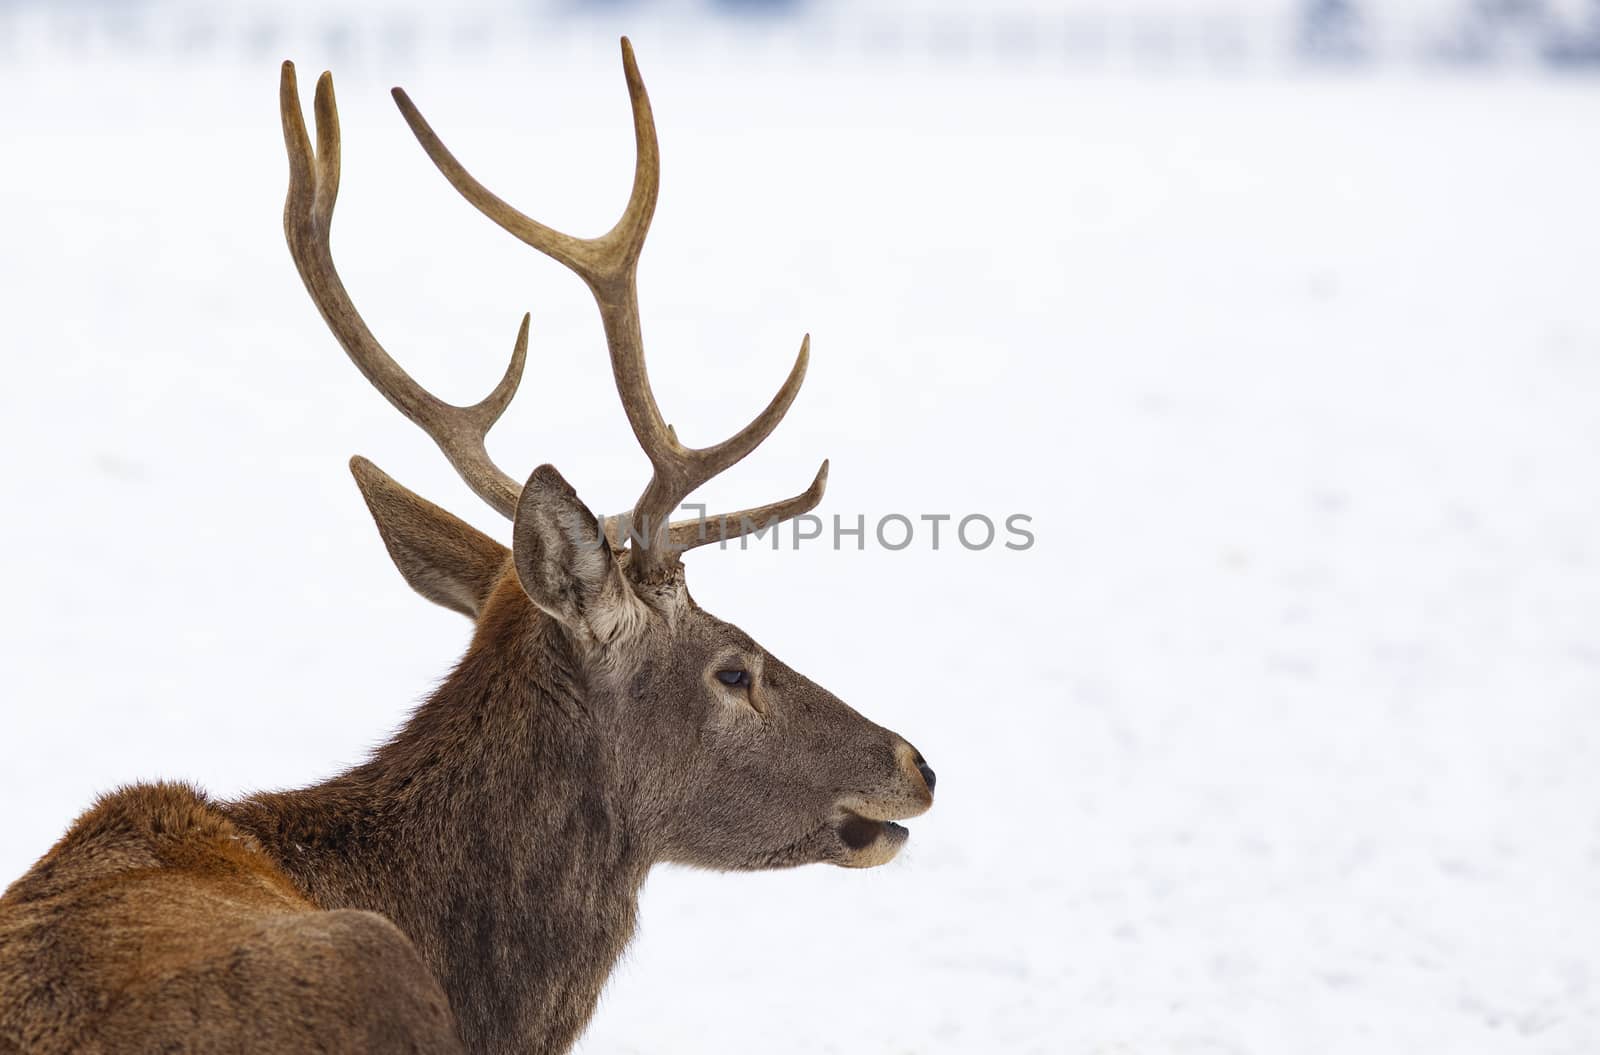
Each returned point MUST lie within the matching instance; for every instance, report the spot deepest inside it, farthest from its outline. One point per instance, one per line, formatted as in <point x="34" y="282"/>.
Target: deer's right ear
<point x="442" y="557"/>
<point x="566" y="565"/>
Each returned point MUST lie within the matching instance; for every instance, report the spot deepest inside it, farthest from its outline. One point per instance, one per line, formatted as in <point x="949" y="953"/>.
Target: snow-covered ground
<point x="1283" y="738"/>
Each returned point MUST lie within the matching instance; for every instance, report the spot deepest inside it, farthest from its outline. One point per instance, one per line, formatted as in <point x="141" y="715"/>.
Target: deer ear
<point x="565" y="564"/>
<point x="442" y="557"/>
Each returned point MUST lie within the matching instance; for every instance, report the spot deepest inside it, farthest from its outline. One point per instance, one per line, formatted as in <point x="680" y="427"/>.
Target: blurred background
<point x="1046" y="36"/>
<point x="1279" y="319"/>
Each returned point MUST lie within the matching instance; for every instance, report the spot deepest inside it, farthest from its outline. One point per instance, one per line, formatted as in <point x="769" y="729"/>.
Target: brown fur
<point x="473" y="883"/>
<point x="155" y="924"/>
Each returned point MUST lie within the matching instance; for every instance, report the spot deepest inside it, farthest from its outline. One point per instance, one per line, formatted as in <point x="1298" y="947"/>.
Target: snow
<point x="1283" y="736"/>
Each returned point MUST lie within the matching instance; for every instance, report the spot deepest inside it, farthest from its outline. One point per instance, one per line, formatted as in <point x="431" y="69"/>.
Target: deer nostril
<point x="927" y="773"/>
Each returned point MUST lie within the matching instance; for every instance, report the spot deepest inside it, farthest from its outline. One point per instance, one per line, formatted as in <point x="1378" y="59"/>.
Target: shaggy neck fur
<point x="490" y="831"/>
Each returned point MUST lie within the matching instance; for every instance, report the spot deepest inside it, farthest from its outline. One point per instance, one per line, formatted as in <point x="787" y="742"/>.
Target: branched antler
<point x="307" y="216"/>
<point x="608" y="265"/>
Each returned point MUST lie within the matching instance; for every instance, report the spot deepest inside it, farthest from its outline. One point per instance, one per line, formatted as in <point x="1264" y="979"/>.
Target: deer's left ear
<point x="442" y="557"/>
<point x="565" y="564"/>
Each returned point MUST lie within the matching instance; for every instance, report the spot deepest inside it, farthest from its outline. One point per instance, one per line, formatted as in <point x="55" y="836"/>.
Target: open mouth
<point x="869" y="841"/>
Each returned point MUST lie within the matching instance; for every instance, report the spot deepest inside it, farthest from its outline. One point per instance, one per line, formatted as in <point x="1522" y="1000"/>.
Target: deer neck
<point x="489" y="830"/>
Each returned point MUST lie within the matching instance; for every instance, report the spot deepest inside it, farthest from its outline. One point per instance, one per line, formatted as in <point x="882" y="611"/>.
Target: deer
<point x="471" y="884"/>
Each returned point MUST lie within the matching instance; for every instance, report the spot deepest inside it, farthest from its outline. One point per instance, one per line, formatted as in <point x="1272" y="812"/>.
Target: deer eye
<point x="734" y="678"/>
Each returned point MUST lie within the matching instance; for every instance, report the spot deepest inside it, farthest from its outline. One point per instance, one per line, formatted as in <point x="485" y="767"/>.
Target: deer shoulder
<point x="157" y="924"/>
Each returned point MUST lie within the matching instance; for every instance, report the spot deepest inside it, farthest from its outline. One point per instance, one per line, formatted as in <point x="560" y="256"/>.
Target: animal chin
<point x="866" y="843"/>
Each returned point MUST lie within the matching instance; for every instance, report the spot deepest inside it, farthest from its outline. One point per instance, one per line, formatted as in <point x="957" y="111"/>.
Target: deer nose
<point x="927" y="772"/>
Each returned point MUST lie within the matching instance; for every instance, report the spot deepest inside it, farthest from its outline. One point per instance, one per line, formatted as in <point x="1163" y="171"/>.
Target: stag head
<point x="723" y="756"/>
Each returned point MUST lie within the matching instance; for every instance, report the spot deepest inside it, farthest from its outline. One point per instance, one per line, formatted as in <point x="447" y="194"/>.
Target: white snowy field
<point x="1283" y="738"/>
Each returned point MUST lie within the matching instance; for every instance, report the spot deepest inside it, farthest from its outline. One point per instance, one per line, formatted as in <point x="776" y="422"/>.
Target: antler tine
<point x="608" y="265"/>
<point x="307" y="220"/>
<point x="690" y="534"/>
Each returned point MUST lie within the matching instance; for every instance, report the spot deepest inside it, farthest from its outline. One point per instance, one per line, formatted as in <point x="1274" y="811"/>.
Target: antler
<point x="608" y="265"/>
<point x="307" y="216"/>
